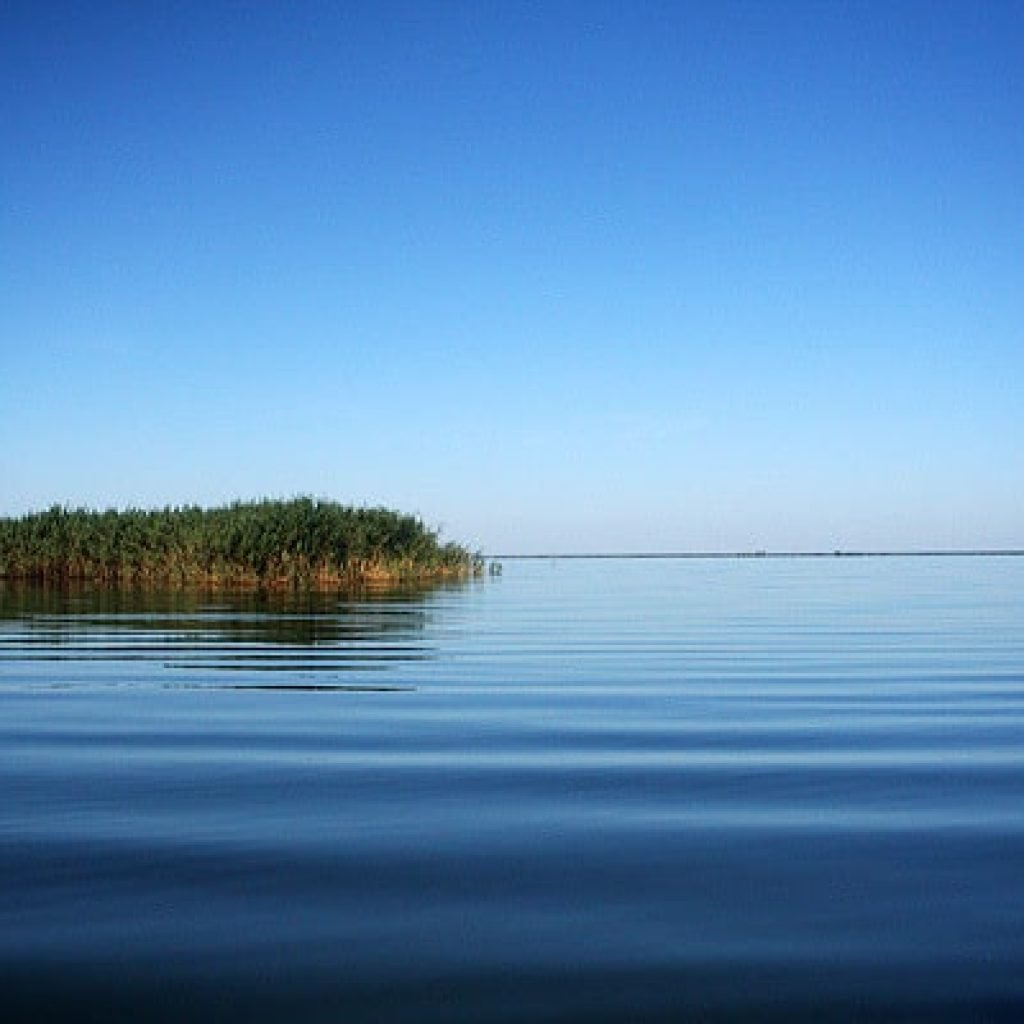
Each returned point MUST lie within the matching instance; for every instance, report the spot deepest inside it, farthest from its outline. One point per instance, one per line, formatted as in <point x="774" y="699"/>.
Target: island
<point x="300" y="542"/>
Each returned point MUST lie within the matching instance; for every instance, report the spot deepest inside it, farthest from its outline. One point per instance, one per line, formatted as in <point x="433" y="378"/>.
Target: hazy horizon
<point x="571" y="277"/>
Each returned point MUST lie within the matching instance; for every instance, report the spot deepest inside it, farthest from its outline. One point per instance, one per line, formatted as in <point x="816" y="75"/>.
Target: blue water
<point x="585" y="790"/>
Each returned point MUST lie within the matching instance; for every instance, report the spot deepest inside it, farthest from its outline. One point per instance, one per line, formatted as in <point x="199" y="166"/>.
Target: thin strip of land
<point x="910" y="553"/>
<point x="302" y="542"/>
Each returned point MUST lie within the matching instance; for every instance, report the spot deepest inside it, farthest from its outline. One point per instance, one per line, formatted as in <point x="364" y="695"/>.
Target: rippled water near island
<point x="586" y="790"/>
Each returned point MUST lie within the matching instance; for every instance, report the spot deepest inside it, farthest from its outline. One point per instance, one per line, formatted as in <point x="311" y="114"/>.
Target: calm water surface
<point x="583" y="791"/>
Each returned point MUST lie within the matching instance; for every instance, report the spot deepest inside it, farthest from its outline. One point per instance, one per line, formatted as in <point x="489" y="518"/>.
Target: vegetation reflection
<point x="259" y="630"/>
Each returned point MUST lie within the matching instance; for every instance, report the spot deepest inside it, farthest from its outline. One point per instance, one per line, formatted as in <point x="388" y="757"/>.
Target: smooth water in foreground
<point x="659" y="790"/>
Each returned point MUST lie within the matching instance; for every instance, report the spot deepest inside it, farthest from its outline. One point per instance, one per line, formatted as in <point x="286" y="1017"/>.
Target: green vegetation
<point x="299" y="543"/>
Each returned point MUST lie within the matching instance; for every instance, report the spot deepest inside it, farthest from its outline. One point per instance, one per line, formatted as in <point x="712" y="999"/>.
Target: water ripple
<point x="582" y="791"/>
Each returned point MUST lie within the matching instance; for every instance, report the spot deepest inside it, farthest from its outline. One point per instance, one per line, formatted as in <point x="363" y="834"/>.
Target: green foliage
<point x="301" y="542"/>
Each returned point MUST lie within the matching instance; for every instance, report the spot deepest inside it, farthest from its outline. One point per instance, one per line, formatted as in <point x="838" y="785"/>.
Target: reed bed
<point x="303" y="542"/>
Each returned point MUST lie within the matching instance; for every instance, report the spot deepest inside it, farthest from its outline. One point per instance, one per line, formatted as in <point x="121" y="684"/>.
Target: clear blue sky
<point x="555" y="276"/>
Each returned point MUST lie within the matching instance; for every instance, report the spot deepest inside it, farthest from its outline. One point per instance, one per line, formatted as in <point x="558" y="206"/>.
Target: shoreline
<point x="636" y="555"/>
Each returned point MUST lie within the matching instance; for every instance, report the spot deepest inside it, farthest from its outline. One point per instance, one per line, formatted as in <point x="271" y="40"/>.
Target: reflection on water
<point x="244" y="631"/>
<point x="770" y="790"/>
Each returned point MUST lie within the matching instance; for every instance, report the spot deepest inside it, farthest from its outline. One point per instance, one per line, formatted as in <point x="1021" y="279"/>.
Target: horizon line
<point x="837" y="553"/>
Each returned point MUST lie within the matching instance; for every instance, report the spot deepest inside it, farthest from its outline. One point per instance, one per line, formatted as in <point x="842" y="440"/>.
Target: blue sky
<point x="555" y="276"/>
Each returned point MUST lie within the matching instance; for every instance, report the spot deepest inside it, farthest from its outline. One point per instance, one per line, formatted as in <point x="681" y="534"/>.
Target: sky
<point x="553" y="276"/>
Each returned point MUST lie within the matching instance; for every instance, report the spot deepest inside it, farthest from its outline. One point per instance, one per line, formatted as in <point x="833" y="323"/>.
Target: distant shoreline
<point x="962" y="553"/>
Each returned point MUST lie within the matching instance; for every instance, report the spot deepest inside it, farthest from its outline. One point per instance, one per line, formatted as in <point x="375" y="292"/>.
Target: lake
<point x="584" y="790"/>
